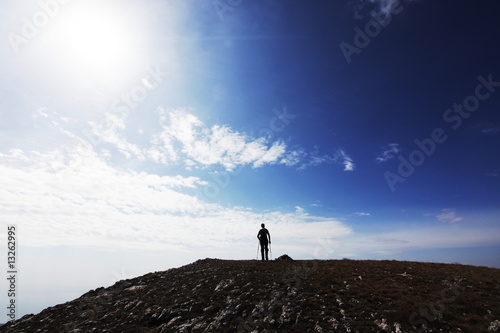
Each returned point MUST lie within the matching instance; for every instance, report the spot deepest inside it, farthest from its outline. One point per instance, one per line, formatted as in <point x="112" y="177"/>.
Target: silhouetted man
<point x="264" y="239"/>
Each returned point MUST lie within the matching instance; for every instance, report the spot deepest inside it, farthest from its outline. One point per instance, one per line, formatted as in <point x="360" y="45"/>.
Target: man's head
<point x="262" y="225"/>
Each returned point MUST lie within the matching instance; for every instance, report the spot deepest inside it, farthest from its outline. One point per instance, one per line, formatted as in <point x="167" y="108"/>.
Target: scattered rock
<point x="494" y="326"/>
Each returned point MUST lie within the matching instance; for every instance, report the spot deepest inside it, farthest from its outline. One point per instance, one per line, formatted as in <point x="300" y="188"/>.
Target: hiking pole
<point x="257" y="256"/>
<point x="271" y="250"/>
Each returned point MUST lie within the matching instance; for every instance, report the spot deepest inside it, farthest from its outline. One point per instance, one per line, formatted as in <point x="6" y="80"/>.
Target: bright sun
<point x="95" y="38"/>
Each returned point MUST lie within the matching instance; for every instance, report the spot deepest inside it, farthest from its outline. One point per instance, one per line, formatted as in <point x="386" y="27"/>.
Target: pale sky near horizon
<point x="137" y="136"/>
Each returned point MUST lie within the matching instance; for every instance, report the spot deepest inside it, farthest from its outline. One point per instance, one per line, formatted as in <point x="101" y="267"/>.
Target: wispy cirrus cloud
<point x="293" y="157"/>
<point x="361" y="214"/>
<point x="490" y="129"/>
<point x="111" y="130"/>
<point x="494" y="173"/>
<point x="388" y="152"/>
<point x="315" y="159"/>
<point x="448" y="216"/>
<point x="344" y="159"/>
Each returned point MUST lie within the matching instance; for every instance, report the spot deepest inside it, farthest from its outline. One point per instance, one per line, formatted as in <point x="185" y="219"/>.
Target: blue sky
<point x="139" y="136"/>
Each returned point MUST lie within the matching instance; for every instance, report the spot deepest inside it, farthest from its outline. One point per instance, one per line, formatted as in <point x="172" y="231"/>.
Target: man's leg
<point x="267" y="251"/>
<point x="262" y="250"/>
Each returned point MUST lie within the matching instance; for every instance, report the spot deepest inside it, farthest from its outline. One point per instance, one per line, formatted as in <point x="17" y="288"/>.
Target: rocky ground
<point x="214" y="295"/>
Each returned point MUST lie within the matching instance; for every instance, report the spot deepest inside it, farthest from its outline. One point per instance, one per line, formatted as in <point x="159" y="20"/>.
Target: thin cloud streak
<point x="388" y="152"/>
<point x="361" y="214"/>
<point x="339" y="157"/>
<point x="345" y="160"/>
<point x="448" y="216"/>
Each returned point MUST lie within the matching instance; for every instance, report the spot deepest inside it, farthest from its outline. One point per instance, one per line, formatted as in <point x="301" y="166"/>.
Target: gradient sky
<point x="136" y="136"/>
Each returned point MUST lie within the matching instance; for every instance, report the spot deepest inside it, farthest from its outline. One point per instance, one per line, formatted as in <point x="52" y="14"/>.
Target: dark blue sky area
<point x="395" y="90"/>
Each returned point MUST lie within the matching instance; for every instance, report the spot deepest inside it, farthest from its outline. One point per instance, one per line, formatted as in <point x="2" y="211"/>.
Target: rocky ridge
<point x="284" y="295"/>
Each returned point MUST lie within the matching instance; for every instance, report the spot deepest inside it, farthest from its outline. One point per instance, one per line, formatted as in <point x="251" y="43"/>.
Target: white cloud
<point x="218" y="144"/>
<point x="185" y="139"/>
<point x="448" y="216"/>
<point x="388" y="152"/>
<point x="299" y="210"/>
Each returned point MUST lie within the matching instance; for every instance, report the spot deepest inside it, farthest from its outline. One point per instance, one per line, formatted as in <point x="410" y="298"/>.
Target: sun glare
<point x="93" y="39"/>
<point x="96" y="39"/>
